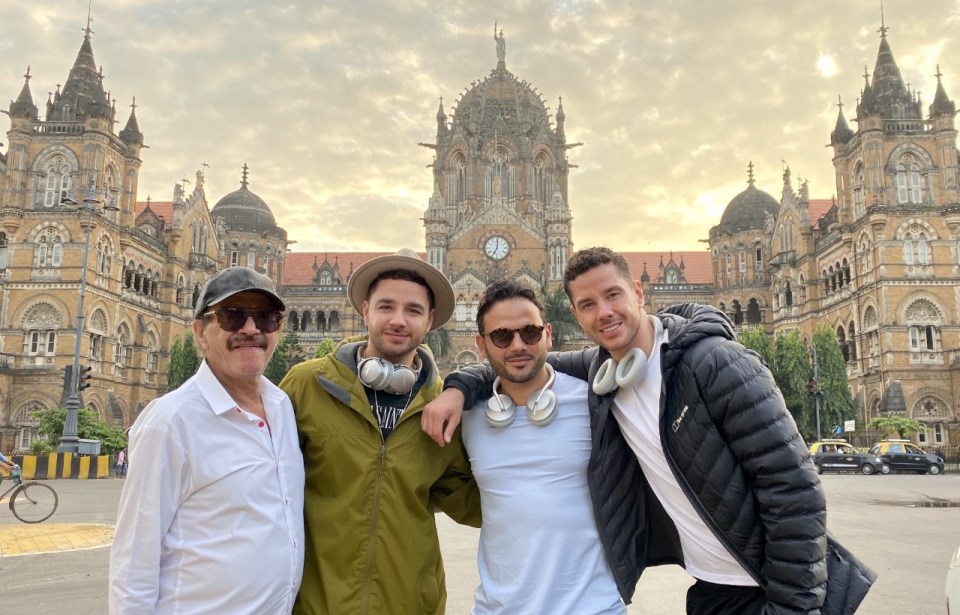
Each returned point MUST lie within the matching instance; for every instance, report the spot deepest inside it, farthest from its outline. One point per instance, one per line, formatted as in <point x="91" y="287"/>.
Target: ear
<point x="430" y="316"/>
<point x="365" y="312"/>
<point x="482" y="345"/>
<point x="548" y="333"/>
<point x="199" y="332"/>
<point x="638" y="288"/>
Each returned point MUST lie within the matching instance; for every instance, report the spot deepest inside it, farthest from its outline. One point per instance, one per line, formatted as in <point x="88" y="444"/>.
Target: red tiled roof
<point x="161" y="209"/>
<point x="698" y="268"/>
<point x="817" y="208"/>
<point x="298" y="266"/>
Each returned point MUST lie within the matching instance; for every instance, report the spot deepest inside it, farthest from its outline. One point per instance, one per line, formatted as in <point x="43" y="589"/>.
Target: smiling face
<point x="242" y="355"/>
<point x="519" y="363"/>
<point x="608" y="307"/>
<point x="398" y="316"/>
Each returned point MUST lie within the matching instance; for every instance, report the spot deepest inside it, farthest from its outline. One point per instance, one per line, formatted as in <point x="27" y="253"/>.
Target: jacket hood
<point x="688" y="323"/>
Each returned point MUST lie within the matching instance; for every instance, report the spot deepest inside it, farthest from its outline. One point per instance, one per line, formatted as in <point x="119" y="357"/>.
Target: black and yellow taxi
<point x="841" y="456"/>
<point x="904" y="456"/>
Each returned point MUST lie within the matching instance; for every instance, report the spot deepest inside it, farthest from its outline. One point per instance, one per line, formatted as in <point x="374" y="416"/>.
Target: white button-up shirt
<point x="211" y="515"/>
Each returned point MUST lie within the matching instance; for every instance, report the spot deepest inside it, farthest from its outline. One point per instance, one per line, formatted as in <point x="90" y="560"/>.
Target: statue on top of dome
<point x="501" y="44"/>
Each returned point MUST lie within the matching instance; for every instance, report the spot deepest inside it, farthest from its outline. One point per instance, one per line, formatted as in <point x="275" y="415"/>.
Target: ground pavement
<point x="901" y="525"/>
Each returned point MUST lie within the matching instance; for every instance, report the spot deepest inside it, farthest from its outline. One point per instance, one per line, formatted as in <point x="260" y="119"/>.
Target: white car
<point x="953" y="583"/>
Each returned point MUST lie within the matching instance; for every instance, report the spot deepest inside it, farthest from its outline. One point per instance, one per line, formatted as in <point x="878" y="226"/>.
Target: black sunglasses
<point x="529" y="334"/>
<point x="233" y="319"/>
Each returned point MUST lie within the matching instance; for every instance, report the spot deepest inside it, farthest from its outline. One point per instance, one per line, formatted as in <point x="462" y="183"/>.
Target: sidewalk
<point x="52" y="537"/>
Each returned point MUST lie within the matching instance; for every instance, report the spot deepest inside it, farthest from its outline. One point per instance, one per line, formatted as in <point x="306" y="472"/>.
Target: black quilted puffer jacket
<point x="736" y="452"/>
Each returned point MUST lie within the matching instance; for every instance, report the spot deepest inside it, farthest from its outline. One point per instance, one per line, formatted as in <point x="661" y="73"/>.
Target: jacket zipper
<point x="687" y="491"/>
<point x="374" y="515"/>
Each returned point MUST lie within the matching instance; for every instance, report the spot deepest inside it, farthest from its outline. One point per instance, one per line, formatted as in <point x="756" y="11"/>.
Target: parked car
<point x="840" y="456"/>
<point x="901" y="455"/>
<point x="953" y="583"/>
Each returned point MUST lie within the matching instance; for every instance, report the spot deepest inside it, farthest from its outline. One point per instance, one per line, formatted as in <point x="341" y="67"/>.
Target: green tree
<point x="836" y="404"/>
<point x="184" y="361"/>
<point x="287" y="354"/>
<point x="899" y="425"/>
<point x="89" y="426"/>
<point x="440" y="342"/>
<point x="325" y="347"/>
<point x="791" y="370"/>
<point x="756" y="339"/>
<point x="562" y="321"/>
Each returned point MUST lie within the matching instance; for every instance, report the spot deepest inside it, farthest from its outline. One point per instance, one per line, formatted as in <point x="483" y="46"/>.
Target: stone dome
<point x="243" y="210"/>
<point x="748" y="210"/>
<point x="500" y="96"/>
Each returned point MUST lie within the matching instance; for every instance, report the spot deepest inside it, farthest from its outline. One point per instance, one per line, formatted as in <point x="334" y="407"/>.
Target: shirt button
<point x="260" y="424"/>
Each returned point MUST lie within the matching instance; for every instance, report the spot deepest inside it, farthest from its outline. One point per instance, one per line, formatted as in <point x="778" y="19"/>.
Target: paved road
<point x="880" y="518"/>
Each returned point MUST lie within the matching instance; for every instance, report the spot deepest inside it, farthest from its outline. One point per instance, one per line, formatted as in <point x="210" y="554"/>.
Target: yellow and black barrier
<point x="63" y="465"/>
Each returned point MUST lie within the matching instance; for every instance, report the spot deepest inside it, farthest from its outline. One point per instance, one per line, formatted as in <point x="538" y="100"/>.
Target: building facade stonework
<point x="879" y="263"/>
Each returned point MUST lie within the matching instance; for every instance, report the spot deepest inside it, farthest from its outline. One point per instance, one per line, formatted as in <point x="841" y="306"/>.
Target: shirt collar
<point x="219" y="399"/>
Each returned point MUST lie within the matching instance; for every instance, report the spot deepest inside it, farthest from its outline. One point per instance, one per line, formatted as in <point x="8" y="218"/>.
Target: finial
<point x="185" y="180"/>
<point x="26" y="75"/>
<point x="148" y="200"/>
<point x="866" y="73"/>
<point x="938" y="75"/>
<point x="840" y="103"/>
<point x="883" y="27"/>
<point x="750" y="173"/>
<point x="784" y="163"/>
<point x="87" y="31"/>
<point x="203" y="166"/>
<point x="246" y="171"/>
<point x="133" y="105"/>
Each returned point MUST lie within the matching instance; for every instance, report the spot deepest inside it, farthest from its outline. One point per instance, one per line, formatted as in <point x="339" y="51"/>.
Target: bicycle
<point x="30" y="502"/>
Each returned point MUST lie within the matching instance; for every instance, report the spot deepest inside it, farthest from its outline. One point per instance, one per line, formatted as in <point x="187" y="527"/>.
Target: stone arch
<point x="870" y="318"/>
<point x="921" y="310"/>
<point x="48" y="153"/>
<point x="467" y="356"/>
<point x="42" y="314"/>
<point x="930" y="406"/>
<point x="912" y="222"/>
<point x="907" y="149"/>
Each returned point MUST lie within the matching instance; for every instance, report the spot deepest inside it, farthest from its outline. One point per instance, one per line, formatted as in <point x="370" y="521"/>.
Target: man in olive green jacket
<point x="373" y="477"/>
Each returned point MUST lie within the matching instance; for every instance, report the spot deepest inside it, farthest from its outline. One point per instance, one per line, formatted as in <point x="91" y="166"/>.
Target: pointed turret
<point x="23" y="106"/>
<point x="561" y="117"/>
<point x="441" y="120"/>
<point x="842" y="133"/>
<point x="131" y="132"/>
<point x="83" y="94"/>
<point x="891" y="97"/>
<point x="645" y="276"/>
<point x="942" y="105"/>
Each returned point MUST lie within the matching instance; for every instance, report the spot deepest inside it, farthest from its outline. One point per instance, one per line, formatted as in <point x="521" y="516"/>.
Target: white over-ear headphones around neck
<point x="631" y="370"/>
<point x="382" y="375"/>
<point x="541" y="407"/>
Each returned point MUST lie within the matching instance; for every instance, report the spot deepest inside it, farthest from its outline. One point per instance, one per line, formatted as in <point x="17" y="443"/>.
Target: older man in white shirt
<point x="211" y="515"/>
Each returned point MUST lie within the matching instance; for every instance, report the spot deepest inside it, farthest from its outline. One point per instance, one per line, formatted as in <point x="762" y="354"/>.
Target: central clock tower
<point x="499" y="205"/>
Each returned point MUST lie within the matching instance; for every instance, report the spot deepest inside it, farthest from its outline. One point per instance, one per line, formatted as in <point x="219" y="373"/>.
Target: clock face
<point x="496" y="247"/>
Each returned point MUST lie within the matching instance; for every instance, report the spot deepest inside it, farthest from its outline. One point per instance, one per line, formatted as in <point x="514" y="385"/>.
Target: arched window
<point x="542" y="179"/>
<point x="335" y="321"/>
<point x="58" y="182"/>
<point x="181" y="290"/>
<point x="857" y="188"/>
<point x="788" y="294"/>
<point x="737" y="312"/>
<point x="753" y="312"/>
<point x="842" y="341"/>
<point x="460" y="309"/>
<point x="459" y="178"/>
<point x="852" y="341"/>
<point x="916" y="250"/>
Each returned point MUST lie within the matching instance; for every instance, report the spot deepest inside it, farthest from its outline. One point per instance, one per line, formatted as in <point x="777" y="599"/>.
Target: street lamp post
<point x="69" y="440"/>
<point x="816" y="390"/>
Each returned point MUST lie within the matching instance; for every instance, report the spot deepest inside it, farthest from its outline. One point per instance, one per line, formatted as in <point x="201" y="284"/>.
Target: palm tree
<point x="561" y="319"/>
<point x="440" y="343"/>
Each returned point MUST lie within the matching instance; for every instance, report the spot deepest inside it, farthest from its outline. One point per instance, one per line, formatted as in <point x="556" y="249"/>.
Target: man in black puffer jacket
<point x="696" y="460"/>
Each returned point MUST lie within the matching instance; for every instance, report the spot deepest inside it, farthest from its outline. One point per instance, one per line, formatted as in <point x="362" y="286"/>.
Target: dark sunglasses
<point x="233" y="319"/>
<point x="530" y="334"/>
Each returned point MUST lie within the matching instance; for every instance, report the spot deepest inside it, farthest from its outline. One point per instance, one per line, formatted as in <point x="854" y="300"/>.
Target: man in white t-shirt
<point x="695" y="459"/>
<point x="529" y="445"/>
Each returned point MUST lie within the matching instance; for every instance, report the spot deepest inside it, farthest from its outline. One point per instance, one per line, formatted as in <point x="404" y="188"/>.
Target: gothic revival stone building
<point x="879" y="263"/>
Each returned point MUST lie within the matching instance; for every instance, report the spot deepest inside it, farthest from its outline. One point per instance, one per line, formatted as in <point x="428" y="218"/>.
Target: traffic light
<point x="84" y="381"/>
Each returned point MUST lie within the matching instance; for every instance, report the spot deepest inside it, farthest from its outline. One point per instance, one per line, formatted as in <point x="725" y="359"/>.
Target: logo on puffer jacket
<point x="683" y="413"/>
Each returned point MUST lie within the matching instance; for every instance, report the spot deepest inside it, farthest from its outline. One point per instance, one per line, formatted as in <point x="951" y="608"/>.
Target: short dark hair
<point x="586" y="259"/>
<point x="402" y="274"/>
<point x="503" y="289"/>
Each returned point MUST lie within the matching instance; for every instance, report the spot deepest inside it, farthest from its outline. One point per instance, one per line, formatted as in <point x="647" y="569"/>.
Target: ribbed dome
<point x="243" y="210"/>
<point x="748" y="210"/>
<point x="501" y="97"/>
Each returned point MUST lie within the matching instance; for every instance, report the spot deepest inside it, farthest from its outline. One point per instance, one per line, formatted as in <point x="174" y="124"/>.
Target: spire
<point x="131" y="132"/>
<point x="561" y="116"/>
<point x="246" y="172"/>
<point x="750" y="179"/>
<point x="441" y="120"/>
<point x="942" y="105"/>
<point x="24" y="107"/>
<point x="842" y="133"/>
<point x="83" y="94"/>
<point x="645" y="276"/>
<point x="892" y="100"/>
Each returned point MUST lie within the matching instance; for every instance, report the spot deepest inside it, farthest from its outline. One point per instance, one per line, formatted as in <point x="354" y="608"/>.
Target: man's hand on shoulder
<point x="441" y="416"/>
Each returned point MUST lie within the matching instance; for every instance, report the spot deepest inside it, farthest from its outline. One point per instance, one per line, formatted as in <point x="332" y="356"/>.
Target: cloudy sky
<point x="326" y="101"/>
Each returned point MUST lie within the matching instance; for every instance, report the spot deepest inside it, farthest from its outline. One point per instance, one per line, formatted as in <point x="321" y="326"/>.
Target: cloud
<point x="326" y="102"/>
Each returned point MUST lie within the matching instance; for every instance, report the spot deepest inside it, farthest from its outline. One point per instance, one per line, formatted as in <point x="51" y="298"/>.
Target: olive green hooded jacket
<point x="371" y="538"/>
